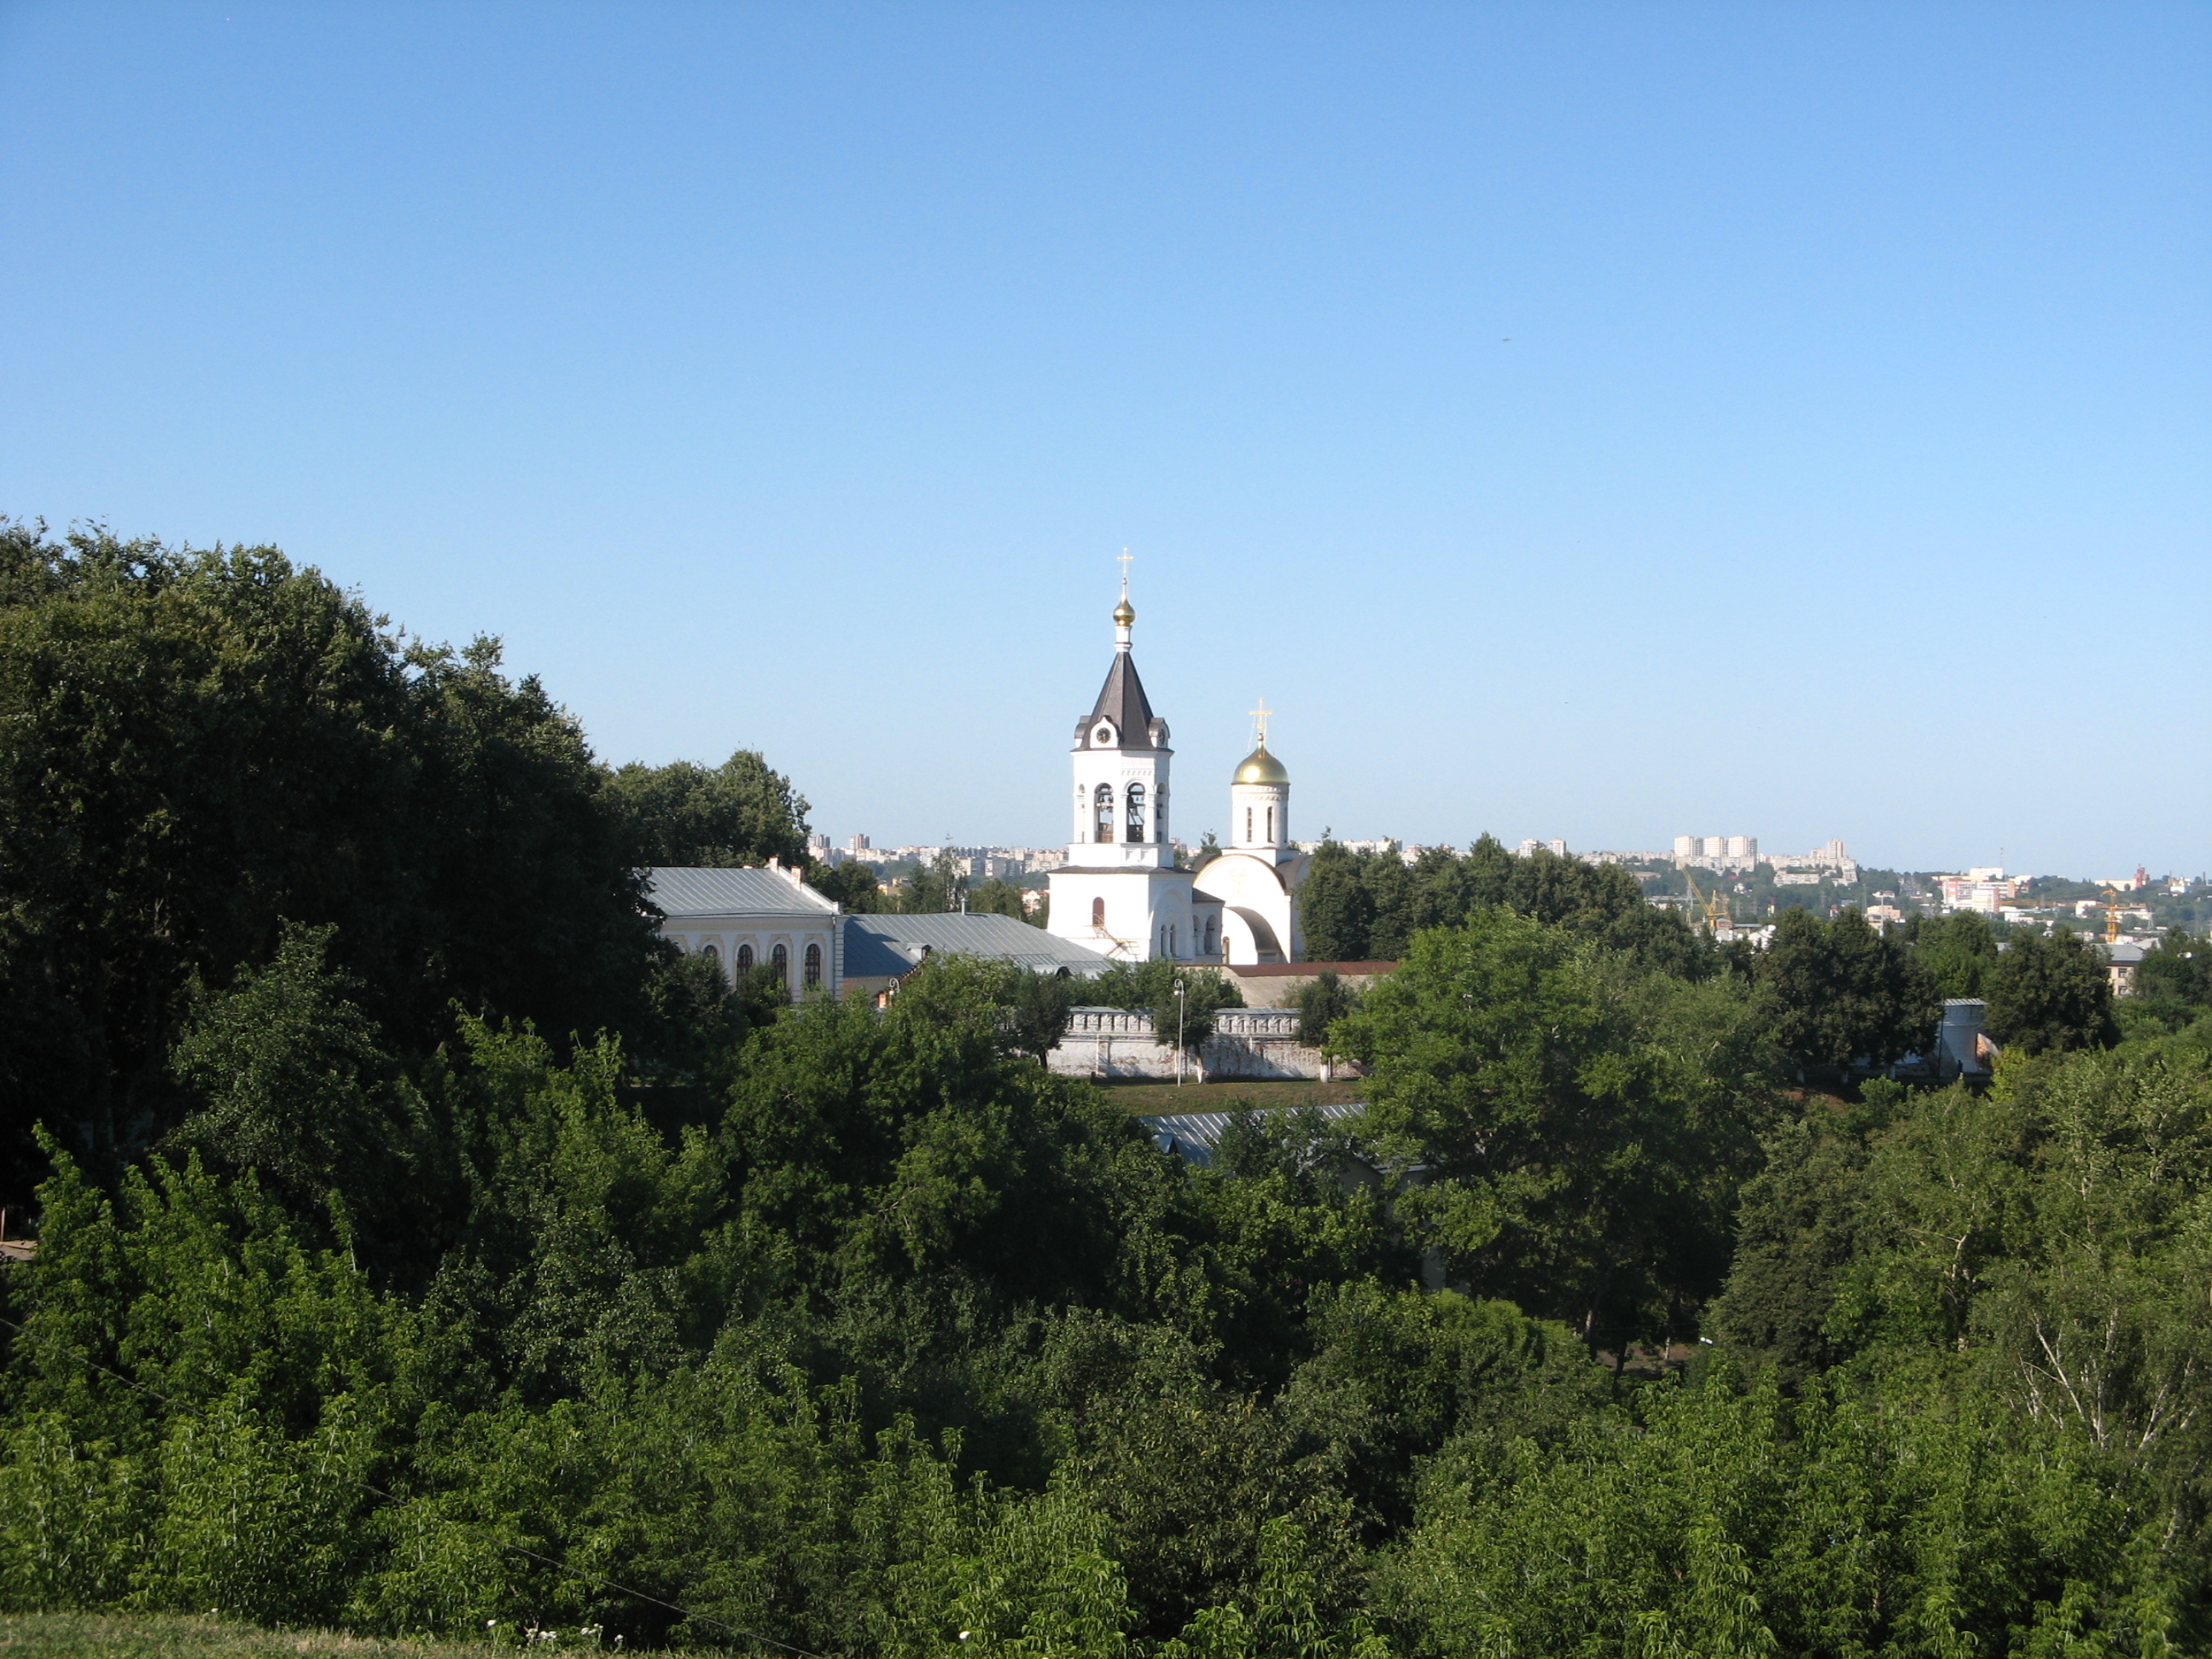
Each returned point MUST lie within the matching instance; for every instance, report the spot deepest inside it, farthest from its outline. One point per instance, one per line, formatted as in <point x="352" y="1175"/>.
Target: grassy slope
<point x="157" y="1636"/>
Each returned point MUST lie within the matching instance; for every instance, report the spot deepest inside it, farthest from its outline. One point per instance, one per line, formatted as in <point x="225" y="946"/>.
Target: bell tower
<point x="1120" y="892"/>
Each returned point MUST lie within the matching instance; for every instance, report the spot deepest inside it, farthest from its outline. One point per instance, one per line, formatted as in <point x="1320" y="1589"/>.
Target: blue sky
<point x="1605" y="422"/>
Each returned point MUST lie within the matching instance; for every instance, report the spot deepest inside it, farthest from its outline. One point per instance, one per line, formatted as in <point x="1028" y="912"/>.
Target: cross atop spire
<point x="1122" y="559"/>
<point x="1260" y="729"/>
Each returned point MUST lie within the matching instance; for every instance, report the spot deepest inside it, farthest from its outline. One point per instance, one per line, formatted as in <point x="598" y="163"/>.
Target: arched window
<point x="780" y="959"/>
<point x="1098" y="913"/>
<point x="714" y="955"/>
<point x="745" y="961"/>
<point x="1271" y="826"/>
<point x="1136" y="813"/>
<point x="1105" y="812"/>
<point x="813" y="966"/>
<point x="1248" y="823"/>
<point x="1212" y="935"/>
<point x="1160" y="815"/>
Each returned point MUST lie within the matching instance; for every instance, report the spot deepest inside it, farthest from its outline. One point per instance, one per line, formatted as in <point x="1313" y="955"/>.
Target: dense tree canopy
<point x="1576" y="1158"/>
<point x="2052" y="995"/>
<point x="730" y="1322"/>
<point x="738" y="812"/>
<point x="1842" y="992"/>
<point x="1361" y="907"/>
<point x="197" y="748"/>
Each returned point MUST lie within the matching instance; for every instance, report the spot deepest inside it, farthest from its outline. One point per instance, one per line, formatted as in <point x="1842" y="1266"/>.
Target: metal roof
<point x="878" y="945"/>
<point x="699" y="890"/>
<point x="1194" y="1135"/>
<point x="1122" y="701"/>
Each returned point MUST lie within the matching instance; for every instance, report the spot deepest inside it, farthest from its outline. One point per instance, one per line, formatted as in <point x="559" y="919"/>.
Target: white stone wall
<point x="1247" y="1043"/>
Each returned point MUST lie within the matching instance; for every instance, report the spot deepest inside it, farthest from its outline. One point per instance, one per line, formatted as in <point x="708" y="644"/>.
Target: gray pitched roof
<point x="876" y="946"/>
<point x="1122" y="701"/>
<point x="699" y="890"/>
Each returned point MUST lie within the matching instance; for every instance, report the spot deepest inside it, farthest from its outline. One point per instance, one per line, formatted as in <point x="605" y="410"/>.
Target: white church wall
<point x="1253" y="895"/>
<point x="1137" y="905"/>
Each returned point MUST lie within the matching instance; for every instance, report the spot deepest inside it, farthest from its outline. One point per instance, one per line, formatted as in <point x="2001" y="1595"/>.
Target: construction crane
<point x="1713" y="905"/>
<point x="2111" y="915"/>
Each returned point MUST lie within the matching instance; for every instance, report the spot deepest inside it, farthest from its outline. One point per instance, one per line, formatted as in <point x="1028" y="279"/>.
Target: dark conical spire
<point x="1122" y="701"/>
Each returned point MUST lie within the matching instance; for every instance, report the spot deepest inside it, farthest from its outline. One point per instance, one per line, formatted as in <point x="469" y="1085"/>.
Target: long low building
<point x="756" y="916"/>
<point x="766" y="916"/>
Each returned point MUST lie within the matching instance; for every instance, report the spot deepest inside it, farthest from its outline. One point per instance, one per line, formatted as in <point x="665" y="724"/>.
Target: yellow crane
<point x="2111" y="915"/>
<point x="1714" y="906"/>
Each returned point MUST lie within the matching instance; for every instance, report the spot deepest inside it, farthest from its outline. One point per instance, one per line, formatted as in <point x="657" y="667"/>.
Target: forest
<point x="423" y="1247"/>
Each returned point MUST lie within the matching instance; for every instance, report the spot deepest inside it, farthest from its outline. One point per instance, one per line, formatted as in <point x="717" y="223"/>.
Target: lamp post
<point x="1178" y="1030"/>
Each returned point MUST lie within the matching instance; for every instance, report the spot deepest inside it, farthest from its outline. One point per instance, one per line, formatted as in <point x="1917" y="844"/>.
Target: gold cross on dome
<point x="1261" y="715"/>
<point x="1122" y="558"/>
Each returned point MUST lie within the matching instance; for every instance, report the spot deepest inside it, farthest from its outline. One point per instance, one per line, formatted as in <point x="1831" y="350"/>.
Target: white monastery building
<point x="1120" y="893"/>
<point x="749" y="918"/>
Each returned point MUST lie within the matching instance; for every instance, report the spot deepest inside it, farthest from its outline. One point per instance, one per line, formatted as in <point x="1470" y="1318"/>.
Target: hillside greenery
<point x="410" y="1282"/>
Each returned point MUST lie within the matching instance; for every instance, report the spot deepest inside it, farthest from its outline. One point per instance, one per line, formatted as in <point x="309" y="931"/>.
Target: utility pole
<point x="1179" y="1006"/>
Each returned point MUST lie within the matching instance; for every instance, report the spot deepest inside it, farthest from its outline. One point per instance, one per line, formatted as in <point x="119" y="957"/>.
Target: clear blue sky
<point x="1607" y="421"/>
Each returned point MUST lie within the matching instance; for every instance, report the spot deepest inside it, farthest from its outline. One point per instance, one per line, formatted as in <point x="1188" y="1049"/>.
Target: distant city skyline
<point x="1583" y="423"/>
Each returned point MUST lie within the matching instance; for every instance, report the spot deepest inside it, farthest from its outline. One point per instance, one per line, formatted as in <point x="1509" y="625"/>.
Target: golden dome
<point x="1124" y="613"/>
<point x="1260" y="767"/>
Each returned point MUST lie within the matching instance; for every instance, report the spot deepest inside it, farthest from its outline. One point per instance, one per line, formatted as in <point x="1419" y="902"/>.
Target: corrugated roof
<point x="1194" y="1135"/>
<point x="878" y="945"/>
<point x="699" y="890"/>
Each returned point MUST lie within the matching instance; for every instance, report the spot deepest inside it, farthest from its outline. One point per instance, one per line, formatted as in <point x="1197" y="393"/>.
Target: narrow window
<point x="715" y="956"/>
<point x="779" y="958"/>
<point x="1136" y="813"/>
<point x="1104" y="808"/>
<point x="745" y="961"/>
<point x="1098" y="913"/>
<point x="1248" y="823"/>
<point x="1271" y="826"/>
<point x="813" y="966"/>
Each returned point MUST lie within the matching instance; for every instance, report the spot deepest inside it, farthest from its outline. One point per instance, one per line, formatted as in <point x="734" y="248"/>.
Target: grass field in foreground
<point x="157" y="1636"/>
<point x="1226" y="1094"/>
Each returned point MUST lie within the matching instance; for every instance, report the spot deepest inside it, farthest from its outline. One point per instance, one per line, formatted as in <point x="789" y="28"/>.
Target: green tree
<point x="1038" y="1008"/>
<point x="1844" y="992"/>
<point x="853" y="885"/>
<point x="738" y="813"/>
<point x="1798" y="1238"/>
<point x="997" y="897"/>
<point x="1184" y="1020"/>
<point x="937" y="887"/>
<point x="1959" y="950"/>
<point x="297" y="1087"/>
<point x="268" y="750"/>
<point x="2173" y="982"/>
<point x="1321" y="1003"/>
<point x="1335" y="906"/>
<point x="2048" y="995"/>
<point x="1581" y="1125"/>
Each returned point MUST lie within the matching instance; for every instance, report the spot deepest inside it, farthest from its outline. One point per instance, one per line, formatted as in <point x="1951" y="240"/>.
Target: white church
<point x="1120" y="893"/>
